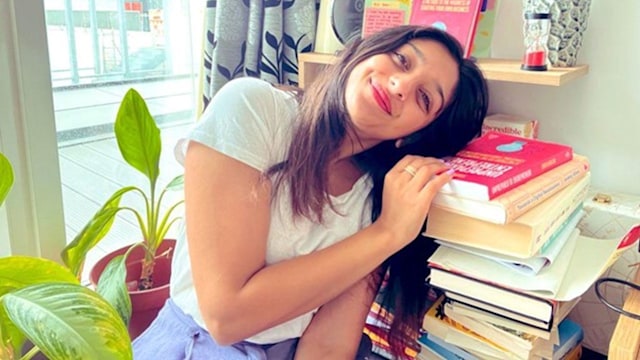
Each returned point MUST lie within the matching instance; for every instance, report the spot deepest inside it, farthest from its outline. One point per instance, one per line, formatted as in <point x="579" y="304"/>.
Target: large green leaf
<point x="138" y="135"/>
<point x="6" y="177"/>
<point x="69" y="322"/>
<point x="11" y="338"/>
<point x="112" y="285"/>
<point x="74" y="254"/>
<point x="17" y="272"/>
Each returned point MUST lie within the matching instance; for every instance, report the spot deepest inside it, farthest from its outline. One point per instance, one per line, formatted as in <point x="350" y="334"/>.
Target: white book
<point x="486" y="312"/>
<point x="578" y="266"/>
<point x="545" y="257"/>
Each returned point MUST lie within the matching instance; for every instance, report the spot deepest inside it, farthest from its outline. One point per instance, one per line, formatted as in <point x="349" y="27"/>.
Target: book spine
<point x="526" y="196"/>
<point x="575" y="199"/>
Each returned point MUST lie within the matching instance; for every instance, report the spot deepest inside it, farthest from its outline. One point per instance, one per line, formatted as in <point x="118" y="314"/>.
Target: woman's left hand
<point x="409" y="188"/>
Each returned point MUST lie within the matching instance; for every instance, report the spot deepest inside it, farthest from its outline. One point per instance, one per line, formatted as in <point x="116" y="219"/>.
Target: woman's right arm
<point x="228" y="215"/>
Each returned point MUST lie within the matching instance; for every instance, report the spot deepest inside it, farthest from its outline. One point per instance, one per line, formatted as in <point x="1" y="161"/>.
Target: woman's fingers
<point x="422" y="170"/>
<point x="408" y="191"/>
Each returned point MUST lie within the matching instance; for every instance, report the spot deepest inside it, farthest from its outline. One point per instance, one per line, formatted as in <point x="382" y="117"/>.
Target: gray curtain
<point x="259" y="38"/>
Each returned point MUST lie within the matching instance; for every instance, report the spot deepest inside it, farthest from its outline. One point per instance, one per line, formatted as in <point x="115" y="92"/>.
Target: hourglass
<point x="536" y="34"/>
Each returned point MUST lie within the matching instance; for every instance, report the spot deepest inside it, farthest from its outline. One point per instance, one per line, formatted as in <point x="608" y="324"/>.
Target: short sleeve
<point x="248" y="120"/>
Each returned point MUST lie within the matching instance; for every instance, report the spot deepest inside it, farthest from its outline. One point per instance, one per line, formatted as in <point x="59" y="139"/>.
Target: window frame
<point x="32" y="221"/>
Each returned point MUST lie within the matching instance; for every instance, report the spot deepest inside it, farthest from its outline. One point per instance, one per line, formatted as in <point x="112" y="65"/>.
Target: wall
<point x="599" y="114"/>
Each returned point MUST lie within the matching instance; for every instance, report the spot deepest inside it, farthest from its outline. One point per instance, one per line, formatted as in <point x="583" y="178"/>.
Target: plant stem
<point x="31" y="353"/>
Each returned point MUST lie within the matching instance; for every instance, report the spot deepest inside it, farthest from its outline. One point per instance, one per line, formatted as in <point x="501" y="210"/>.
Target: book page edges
<point x="521" y="238"/>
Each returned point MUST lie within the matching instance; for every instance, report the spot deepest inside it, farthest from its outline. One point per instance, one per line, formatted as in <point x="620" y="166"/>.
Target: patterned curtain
<point x="259" y="38"/>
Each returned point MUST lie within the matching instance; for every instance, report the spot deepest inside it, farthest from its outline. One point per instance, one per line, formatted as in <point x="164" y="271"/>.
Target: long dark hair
<point x="321" y="129"/>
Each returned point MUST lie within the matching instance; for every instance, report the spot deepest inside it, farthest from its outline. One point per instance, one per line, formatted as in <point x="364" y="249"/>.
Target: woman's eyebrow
<point x="422" y="58"/>
<point x="418" y="52"/>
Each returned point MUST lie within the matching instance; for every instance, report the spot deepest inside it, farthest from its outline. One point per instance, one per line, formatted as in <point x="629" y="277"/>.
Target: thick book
<point x="515" y="320"/>
<point x="382" y="14"/>
<point x="436" y="323"/>
<point x="523" y="237"/>
<point x="458" y="18"/>
<point x="529" y="306"/>
<point x="544" y="259"/>
<point x="522" y="344"/>
<point x="514" y="203"/>
<point x="511" y="124"/>
<point x="495" y="163"/>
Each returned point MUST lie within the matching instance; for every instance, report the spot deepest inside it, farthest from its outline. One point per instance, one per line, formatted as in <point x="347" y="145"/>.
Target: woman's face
<point x="391" y="95"/>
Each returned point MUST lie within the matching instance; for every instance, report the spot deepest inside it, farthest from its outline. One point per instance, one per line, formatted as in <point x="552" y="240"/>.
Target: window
<point x="97" y="50"/>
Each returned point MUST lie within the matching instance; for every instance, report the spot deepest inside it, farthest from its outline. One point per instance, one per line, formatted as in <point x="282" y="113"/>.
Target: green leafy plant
<point x="43" y="301"/>
<point x="139" y="142"/>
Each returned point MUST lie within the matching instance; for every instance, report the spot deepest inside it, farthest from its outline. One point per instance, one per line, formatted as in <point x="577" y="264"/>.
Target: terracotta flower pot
<point x="145" y="303"/>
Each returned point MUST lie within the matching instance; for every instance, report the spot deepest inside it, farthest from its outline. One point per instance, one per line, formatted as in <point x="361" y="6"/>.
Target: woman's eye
<point x="402" y="60"/>
<point x="426" y="100"/>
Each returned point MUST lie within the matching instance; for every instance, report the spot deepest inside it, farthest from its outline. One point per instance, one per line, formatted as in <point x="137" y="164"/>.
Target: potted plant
<point x="147" y="261"/>
<point x="43" y="302"/>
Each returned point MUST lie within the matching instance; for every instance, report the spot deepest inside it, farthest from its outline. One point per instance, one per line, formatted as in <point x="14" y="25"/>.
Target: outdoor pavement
<point x="87" y="113"/>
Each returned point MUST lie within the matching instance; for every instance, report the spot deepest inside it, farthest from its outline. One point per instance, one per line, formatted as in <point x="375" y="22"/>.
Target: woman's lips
<point x="381" y="98"/>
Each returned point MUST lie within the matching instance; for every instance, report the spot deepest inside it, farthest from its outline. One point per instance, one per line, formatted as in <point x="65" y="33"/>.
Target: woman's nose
<point x="398" y="87"/>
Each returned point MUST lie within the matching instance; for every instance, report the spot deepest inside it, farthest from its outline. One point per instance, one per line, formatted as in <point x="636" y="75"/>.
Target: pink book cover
<point x="496" y="163"/>
<point x="457" y="17"/>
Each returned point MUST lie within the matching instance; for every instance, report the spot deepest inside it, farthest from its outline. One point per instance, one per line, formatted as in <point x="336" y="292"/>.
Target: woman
<point x="290" y="229"/>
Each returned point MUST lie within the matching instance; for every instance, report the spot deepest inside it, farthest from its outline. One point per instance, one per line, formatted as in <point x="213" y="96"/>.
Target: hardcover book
<point x="498" y="296"/>
<point x="511" y="125"/>
<point x="496" y="163"/>
<point x="458" y="18"/>
<point x="523" y="237"/>
<point x="509" y="206"/>
<point x="522" y="344"/>
<point x="515" y="320"/>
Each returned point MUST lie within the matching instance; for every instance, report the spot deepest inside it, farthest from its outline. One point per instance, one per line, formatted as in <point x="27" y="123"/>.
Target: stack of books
<point x="507" y="229"/>
<point x="511" y="262"/>
<point x="437" y="343"/>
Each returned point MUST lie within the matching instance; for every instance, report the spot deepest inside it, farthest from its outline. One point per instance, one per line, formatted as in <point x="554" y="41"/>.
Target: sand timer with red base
<point x="536" y="34"/>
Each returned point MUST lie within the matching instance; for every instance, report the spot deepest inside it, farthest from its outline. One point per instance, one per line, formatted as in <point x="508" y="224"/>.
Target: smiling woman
<point x="403" y="85"/>
<point x="317" y="167"/>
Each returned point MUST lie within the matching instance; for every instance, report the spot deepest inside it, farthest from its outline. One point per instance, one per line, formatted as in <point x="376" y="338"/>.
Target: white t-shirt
<point x="251" y="121"/>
